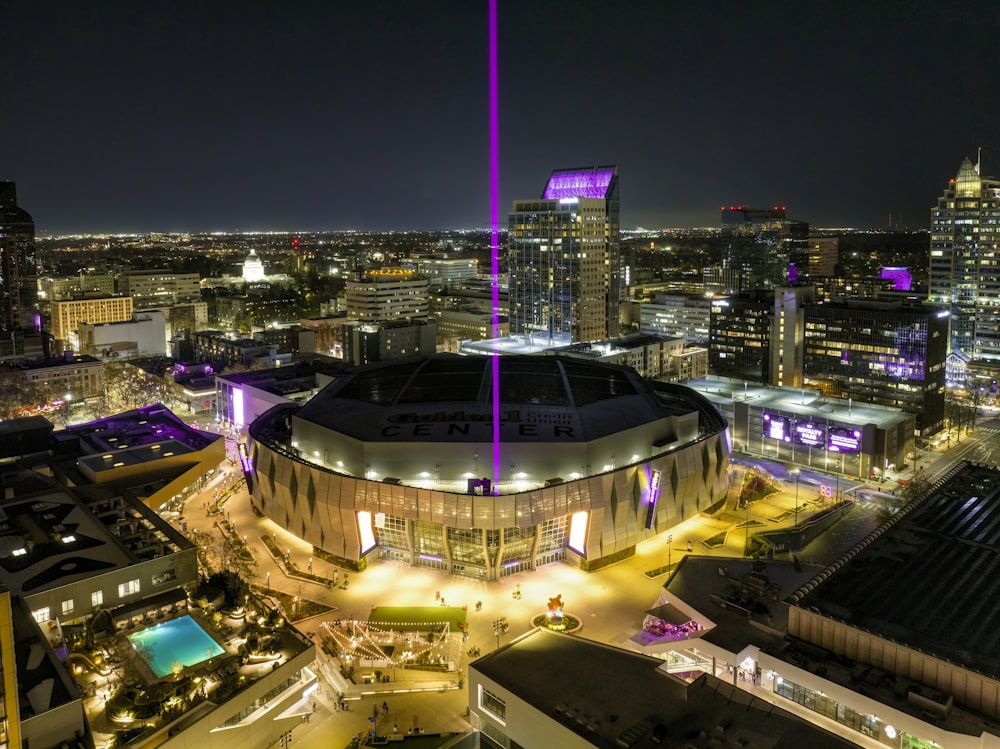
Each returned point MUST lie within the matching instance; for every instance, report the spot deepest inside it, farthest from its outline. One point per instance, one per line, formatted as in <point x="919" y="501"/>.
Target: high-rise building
<point x="67" y="315"/>
<point x="683" y="315"/>
<point x="965" y="264"/>
<point x="824" y="254"/>
<point x="740" y="337"/>
<point x="565" y="260"/>
<point x="19" y="285"/>
<point x="762" y="249"/>
<point x="888" y="353"/>
<point x="388" y="294"/>
<point x="160" y="288"/>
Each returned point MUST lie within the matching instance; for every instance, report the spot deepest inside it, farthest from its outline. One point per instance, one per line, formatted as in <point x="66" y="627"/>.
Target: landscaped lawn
<point x="416" y="618"/>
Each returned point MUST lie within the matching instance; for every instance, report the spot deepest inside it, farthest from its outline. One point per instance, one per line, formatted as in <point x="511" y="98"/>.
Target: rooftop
<point x="800" y="401"/>
<point x="588" y="182"/>
<point x="929" y="580"/>
<point x="50" y="537"/>
<point x="590" y="399"/>
<point x="614" y="698"/>
<point x="145" y="427"/>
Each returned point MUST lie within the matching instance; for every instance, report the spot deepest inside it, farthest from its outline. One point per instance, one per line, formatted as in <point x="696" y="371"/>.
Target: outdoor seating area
<point x="137" y="668"/>
<point x="395" y="640"/>
<point x="666" y="620"/>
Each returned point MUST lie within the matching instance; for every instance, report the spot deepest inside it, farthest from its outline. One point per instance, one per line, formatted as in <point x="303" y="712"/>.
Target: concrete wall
<point x="970" y="689"/>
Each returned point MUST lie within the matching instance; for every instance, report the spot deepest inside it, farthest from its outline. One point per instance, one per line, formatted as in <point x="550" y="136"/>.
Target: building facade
<point x="448" y="272"/>
<point x="653" y="356"/>
<point x="68" y="377"/>
<point x="219" y="347"/>
<point x="396" y="461"/>
<point x="385" y="295"/>
<point x="368" y="343"/>
<point x="885" y="353"/>
<point x="805" y="427"/>
<point x="762" y="249"/>
<point x="740" y="337"/>
<point x="19" y="285"/>
<point x="145" y="335"/>
<point x="160" y="288"/>
<point x="683" y="315"/>
<point x="68" y="314"/>
<point x="565" y="260"/>
<point x="965" y="262"/>
<point x="470" y="324"/>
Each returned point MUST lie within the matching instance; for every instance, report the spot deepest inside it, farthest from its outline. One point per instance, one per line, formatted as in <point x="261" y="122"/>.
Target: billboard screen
<point x="809" y="434"/>
<point x="776" y="427"/>
<point x="843" y="440"/>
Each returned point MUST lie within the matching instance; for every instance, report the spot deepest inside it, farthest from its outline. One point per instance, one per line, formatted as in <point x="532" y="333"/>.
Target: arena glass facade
<point x="389" y="461"/>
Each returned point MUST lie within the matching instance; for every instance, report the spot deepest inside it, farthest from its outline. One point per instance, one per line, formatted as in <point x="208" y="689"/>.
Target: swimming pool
<point x="180" y="643"/>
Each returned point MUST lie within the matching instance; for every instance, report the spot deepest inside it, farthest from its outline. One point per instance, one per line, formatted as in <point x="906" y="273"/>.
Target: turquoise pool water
<point x="180" y="641"/>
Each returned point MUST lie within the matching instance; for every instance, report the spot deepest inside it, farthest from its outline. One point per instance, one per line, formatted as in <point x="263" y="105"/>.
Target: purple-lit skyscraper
<point x="564" y="253"/>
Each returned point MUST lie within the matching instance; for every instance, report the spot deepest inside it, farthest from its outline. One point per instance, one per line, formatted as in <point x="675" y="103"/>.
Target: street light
<point x="267" y="580"/>
<point x="795" y="472"/>
<point x="500" y="627"/>
<point x="670" y="538"/>
<point x="746" y="534"/>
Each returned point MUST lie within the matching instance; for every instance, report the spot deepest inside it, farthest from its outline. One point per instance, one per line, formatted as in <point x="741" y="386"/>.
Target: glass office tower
<point x="565" y="261"/>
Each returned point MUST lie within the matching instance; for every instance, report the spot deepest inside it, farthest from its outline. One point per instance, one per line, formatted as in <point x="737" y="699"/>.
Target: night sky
<point x="164" y="116"/>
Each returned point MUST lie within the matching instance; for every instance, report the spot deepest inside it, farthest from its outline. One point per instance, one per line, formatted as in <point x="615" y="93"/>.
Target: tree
<point x="234" y="587"/>
<point x="17" y="394"/>
<point x="127" y="387"/>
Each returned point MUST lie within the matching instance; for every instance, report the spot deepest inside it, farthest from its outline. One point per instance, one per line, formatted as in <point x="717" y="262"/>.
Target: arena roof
<point x="931" y="579"/>
<point x="594" y="398"/>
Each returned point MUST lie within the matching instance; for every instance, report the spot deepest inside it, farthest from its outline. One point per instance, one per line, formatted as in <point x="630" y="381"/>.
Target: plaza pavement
<point x="611" y="602"/>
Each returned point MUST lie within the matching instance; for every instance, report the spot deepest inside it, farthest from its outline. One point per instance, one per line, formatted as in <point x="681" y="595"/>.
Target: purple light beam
<point x="495" y="233"/>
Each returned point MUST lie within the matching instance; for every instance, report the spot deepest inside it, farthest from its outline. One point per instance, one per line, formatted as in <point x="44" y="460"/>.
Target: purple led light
<point x="901" y="278"/>
<point x="495" y="231"/>
<point x="579" y="183"/>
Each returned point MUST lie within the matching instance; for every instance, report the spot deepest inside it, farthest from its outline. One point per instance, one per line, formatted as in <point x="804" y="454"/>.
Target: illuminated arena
<point x="394" y="460"/>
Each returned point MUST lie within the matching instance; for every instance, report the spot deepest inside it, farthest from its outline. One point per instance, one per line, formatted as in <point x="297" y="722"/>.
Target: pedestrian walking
<point x="385" y="708"/>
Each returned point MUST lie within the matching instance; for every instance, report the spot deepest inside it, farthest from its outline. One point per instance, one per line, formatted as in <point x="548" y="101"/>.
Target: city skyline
<point x="241" y="116"/>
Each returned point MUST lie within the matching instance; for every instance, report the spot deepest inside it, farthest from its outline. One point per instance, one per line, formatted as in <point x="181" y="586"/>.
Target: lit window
<point x="67" y="607"/>
<point x="97" y="598"/>
<point x="492" y="704"/>
<point x="128" y="589"/>
<point x="41" y="615"/>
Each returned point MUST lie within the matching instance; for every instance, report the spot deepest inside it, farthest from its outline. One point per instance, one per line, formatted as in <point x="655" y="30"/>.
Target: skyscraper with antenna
<point x="965" y="260"/>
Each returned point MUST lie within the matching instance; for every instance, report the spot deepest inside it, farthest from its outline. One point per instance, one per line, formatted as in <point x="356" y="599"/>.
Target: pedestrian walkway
<point x="610" y="603"/>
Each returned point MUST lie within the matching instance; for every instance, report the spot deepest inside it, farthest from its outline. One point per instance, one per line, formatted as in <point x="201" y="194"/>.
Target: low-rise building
<point x="805" y="427"/>
<point x="230" y="348"/>
<point x="145" y="334"/>
<point x="368" y="343"/>
<point x="78" y="377"/>
<point x="653" y="356"/>
<point x="468" y="324"/>
<point x="548" y="689"/>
